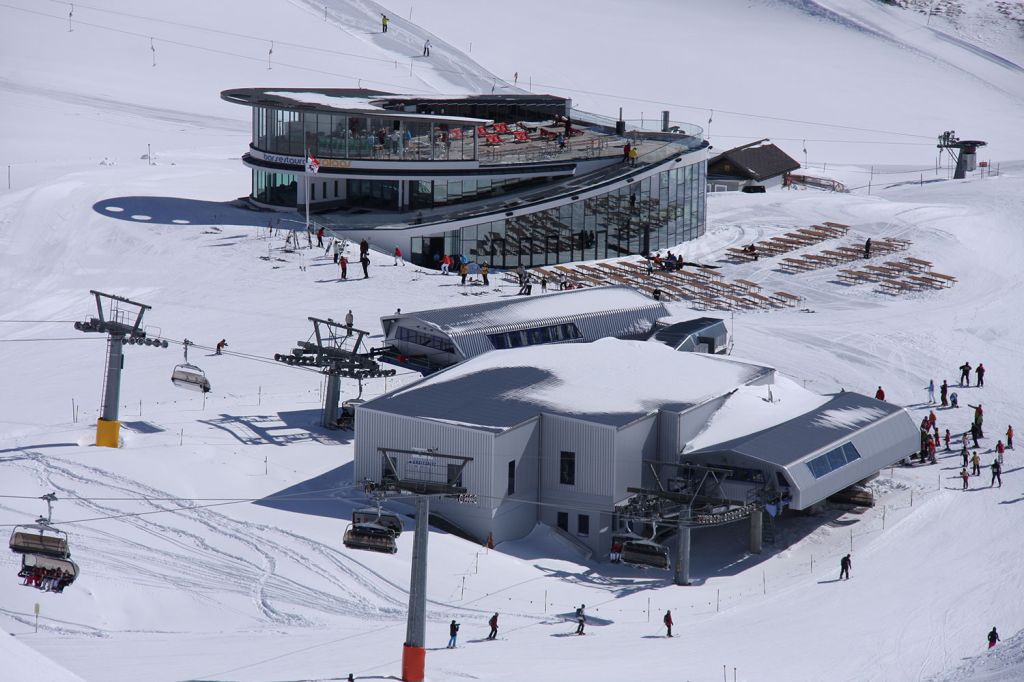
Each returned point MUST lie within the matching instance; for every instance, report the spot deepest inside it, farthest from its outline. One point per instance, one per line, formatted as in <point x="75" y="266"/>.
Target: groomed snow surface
<point x="183" y="578"/>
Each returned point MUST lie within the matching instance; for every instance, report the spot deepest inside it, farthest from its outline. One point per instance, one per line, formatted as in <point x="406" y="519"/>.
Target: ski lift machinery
<point x="42" y="545"/>
<point x="189" y="376"/>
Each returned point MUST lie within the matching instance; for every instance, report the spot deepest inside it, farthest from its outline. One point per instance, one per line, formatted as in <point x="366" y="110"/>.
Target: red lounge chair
<point x="455" y="133"/>
<point x="481" y="131"/>
<point x="501" y="128"/>
<point x="520" y="136"/>
<point x="492" y="140"/>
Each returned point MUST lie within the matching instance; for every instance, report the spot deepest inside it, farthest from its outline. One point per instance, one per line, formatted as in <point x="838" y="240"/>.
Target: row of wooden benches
<point x="842" y="254"/>
<point x="791" y="241"/>
<point x="898" y="277"/>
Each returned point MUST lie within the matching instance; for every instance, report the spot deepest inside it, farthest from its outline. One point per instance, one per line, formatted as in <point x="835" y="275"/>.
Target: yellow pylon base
<point x="108" y="433"/>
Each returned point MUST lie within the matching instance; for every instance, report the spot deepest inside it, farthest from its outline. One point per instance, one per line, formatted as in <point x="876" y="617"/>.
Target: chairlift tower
<point x="337" y="349"/>
<point x="423" y="473"/>
<point x="966" y="155"/>
<point x="121" y="320"/>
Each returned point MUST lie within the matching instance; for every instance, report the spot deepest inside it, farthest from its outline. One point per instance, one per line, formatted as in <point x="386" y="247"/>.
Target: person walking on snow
<point x="453" y="632"/>
<point x="1000" y="450"/>
<point x="944" y="393"/>
<point x="343" y="264"/>
<point x="337" y="250"/>
<point x="981" y="375"/>
<point x="667" y="620"/>
<point x="845" y="564"/>
<point x="979" y="418"/>
<point x="384" y="23"/>
<point x="879" y="394"/>
<point x="426" y="49"/>
<point x="320" y="238"/>
<point x="997" y="470"/>
<point x="993" y="637"/>
<point x="965" y="476"/>
<point x="633" y="156"/>
<point x="446" y="263"/>
<point x="1009" y="436"/>
<point x="581" y="619"/>
<point x="965" y="373"/>
<point x="947" y="440"/>
<point x="867" y="248"/>
<point x="365" y="262"/>
<point x="221" y="345"/>
<point x="975" y="464"/>
<point x="966" y="455"/>
<point x="931" y="391"/>
<point x="348" y="321"/>
<point x="398" y="257"/>
<point x="493" y="622"/>
<point x="485" y="270"/>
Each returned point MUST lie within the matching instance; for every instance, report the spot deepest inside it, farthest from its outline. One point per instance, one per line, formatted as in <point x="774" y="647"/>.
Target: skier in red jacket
<point x="879" y="394"/>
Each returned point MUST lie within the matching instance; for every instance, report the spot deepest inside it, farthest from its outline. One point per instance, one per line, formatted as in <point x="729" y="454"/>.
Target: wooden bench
<point x="787" y="298"/>
<point x="795" y="265"/>
<point x="854" y="277"/>
<point x="740" y="254"/>
<point x="843" y="229"/>
<point x="919" y="264"/>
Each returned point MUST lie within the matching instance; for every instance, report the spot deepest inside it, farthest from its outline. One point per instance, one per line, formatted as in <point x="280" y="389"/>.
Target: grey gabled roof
<point x="791" y="441"/>
<point x="675" y="335"/>
<point x="756" y="161"/>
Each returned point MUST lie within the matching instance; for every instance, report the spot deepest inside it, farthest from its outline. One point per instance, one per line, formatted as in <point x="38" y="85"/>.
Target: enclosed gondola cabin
<point x="645" y="554"/>
<point x="371" y="537"/>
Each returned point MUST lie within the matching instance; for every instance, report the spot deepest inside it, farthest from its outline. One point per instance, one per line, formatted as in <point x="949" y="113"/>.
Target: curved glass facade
<point x="346" y="136"/>
<point x="271" y="187"/>
<point x="657" y="212"/>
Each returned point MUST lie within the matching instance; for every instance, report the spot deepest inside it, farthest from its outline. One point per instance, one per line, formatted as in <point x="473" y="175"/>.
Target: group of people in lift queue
<point x="45" y="579"/>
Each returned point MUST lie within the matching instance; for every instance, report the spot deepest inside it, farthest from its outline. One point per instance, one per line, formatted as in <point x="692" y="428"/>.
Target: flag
<point x="312" y="165"/>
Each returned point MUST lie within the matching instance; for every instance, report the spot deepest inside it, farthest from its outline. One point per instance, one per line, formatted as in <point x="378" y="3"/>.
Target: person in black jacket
<point x="493" y="622"/>
<point x="844" y="567"/>
<point x="581" y="619"/>
<point x="453" y="630"/>
<point x="993" y="637"/>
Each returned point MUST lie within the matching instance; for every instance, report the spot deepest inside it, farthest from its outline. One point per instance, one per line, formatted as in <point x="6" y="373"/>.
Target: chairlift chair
<point x="371" y="537"/>
<point x="41" y="539"/>
<point x="68" y="568"/>
<point x="188" y="376"/>
<point x="645" y="554"/>
<point x="387" y="519"/>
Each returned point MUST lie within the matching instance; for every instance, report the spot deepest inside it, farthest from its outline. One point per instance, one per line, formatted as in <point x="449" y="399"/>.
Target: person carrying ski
<point x="384" y="23"/>
<point x="426" y="49"/>
<point x="981" y="375"/>
<point x="993" y="637"/>
<point x="931" y="391"/>
<point x="965" y="373"/>
<point x="844" y="567"/>
<point x="997" y="471"/>
<point x="493" y="622"/>
<point x="221" y="345"/>
<point x="975" y="464"/>
<point x="1009" y="436"/>
<point x="343" y="264"/>
<point x="944" y="393"/>
<point x="667" y="620"/>
<point x="453" y="632"/>
<point x="879" y="394"/>
<point x="581" y="619"/>
<point x="965" y="476"/>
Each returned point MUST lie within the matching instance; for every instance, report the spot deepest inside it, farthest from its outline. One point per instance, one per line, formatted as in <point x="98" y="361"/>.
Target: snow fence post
<point x="718" y="599"/>
<point x="545" y="601"/>
<point x="851" y="539"/>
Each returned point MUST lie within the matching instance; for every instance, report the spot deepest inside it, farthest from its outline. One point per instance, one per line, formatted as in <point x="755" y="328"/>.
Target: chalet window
<point x="567" y="468"/>
<point x="583" y="524"/>
<point x="563" y="521"/>
<point x="512" y="478"/>
<point x="832" y="460"/>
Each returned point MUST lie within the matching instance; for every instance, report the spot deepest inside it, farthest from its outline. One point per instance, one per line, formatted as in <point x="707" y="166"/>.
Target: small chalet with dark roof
<point x="756" y="165"/>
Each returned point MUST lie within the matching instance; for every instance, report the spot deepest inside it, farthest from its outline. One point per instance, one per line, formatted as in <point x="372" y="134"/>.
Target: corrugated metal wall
<point x="633" y="444"/>
<point x="594" y="447"/>
<point x="513" y="518"/>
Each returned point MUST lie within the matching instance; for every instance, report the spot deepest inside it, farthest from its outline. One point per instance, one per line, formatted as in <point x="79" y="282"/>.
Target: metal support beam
<point x="112" y="388"/>
<point x="332" y="396"/>
<point x="414" y="652"/>
<point x="756" y="530"/>
<point x="683" y="556"/>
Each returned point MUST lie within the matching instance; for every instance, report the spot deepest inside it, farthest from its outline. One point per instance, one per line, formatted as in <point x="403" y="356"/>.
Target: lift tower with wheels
<point x="121" y="320"/>
<point x="423" y="473"/>
<point x="337" y="349"/>
<point x="966" y="154"/>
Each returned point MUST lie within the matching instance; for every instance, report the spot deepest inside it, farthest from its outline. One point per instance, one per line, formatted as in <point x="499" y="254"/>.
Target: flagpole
<point x="306" y="174"/>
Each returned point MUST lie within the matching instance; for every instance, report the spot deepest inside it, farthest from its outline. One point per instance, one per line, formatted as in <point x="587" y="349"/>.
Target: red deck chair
<point x="501" y="128"/>
<point x="492" y="140"/>
<point x="455" y="133"/>
<point x="520" y="136"/>
<point x="481" y="131"/>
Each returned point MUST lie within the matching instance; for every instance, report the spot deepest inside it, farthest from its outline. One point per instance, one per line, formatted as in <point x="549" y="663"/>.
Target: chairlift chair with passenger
<point x="44" y="547"/>
<point x="189" y="376"/>
<point x="381" y="517"/>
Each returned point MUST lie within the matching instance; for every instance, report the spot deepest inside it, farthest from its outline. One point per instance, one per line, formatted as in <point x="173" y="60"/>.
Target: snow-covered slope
<point x="183" y="578"/>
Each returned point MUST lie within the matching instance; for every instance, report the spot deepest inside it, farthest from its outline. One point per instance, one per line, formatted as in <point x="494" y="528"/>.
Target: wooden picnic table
<point x="838" y="226"/>
<point x="747" y="284"/>
<point x="920" y="264"/>
<point x="787" y="298"/>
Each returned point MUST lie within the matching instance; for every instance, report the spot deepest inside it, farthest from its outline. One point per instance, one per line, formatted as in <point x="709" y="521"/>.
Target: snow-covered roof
<point x="829" y="422"/>
<point x="612" y="382"/>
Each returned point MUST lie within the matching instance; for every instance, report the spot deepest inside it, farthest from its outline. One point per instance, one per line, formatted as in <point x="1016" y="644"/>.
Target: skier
<point x="867" y="248"/>
<point x="1000" y="450"/>
<point x="384" y="23"/>
<point x="944" y="393"/>
<point x="844" y="567"/>
<point x="975" y="464"/>
<point x="493" y="622"/>
<point x="398" y="257"/>
<point x="997" y="471"/>
<point x="337" y="250"/>
<point x="965" y="476"/>
<point x="515" y="78"/>
<point x="453" y="631"/>
<point x="343" y="264"/>
<point x="965" y="373"/>
<point x="964" y="453"/>
<point x="879" y="394"/>
<point x="993" y="637"/>
<point x="221" y="345"/>
<point x="668" y="623"/>
<point x="581" y="619"/>
<point x="544" y="284"/>
<point x="979" y="418"/>
<point x="953" y="400"/>
<point x="485" y="270"/>
<point x="974" y="434"/>
<point x="947" y="440"/>
<point x="931" y="391"/>
<point x="463" y="272"/>
<point x="364" y="248"/>
<point x="365" y="262"/>
<point x="349" y="320"/>
<point x="1009" y="436"/>
<point x="426" y="49"/>
<point x="320" y="238"/>
<point x="981" y="375"/>
<point x="446" y="263"/>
